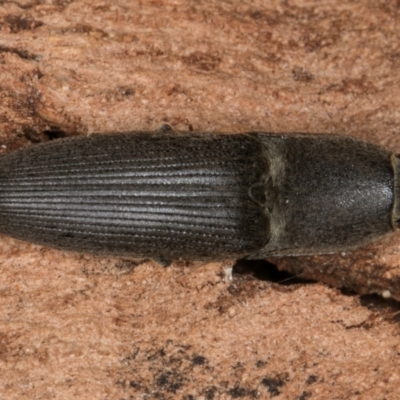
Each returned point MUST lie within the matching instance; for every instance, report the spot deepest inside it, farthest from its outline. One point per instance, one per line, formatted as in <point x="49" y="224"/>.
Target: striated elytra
<point x="169" y="195"/>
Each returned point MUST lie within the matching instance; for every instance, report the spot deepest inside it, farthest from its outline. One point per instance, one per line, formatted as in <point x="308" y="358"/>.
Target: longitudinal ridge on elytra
<point x="131" y="193"/>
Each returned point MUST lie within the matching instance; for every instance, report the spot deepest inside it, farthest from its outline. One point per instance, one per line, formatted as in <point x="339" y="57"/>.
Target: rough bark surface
<point x="77" y="326"/>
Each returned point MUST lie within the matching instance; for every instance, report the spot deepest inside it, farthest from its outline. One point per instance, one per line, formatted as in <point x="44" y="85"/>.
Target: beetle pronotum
<point x="169" y="195"/>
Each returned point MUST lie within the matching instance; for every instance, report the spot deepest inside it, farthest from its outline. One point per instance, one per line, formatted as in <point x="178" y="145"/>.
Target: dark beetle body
<point x="168" y="195"/>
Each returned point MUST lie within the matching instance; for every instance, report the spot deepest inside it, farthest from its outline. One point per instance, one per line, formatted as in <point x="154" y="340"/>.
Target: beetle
<point x="200" y="196"/>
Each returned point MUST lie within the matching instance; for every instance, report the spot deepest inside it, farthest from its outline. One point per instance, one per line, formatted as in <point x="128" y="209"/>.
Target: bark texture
<point x="77" y="326"/>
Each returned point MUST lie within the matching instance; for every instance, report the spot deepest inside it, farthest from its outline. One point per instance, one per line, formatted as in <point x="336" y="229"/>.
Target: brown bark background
<point x="78" y="326"/>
